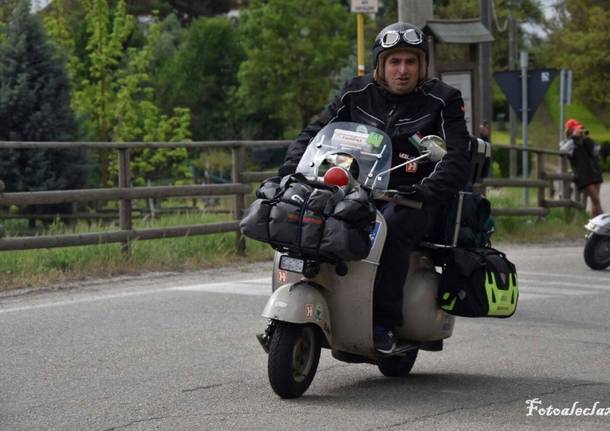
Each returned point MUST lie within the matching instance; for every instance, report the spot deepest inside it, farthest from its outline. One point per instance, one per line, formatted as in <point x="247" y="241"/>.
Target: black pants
<point x="406" y="228"/>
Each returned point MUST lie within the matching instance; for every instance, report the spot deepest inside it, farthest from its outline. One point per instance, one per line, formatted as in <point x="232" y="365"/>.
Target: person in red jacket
<point x="583" y="153"/>
<point x="400" y="99"/>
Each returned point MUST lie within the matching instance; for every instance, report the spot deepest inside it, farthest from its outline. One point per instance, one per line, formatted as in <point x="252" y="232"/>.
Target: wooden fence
<point x="239" y="187"/>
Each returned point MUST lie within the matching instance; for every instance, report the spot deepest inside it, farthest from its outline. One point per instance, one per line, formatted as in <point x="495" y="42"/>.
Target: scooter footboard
<point x="302" y="303"/>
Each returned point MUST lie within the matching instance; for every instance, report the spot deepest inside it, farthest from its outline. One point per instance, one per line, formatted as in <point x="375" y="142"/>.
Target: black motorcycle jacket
<point x="433" y="108"/>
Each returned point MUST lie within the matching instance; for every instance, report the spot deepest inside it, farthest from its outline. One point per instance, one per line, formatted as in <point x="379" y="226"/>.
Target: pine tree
<point x="35" y="106"/>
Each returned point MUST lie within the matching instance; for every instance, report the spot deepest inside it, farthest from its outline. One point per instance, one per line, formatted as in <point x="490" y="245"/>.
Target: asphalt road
<point x="178" y="352"/>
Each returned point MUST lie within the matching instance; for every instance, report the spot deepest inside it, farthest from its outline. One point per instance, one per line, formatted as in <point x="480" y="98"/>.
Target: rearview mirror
<point x="434" y="145"/>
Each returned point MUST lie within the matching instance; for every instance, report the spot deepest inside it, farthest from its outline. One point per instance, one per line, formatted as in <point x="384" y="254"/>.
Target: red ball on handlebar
<point x="336" y="176"/>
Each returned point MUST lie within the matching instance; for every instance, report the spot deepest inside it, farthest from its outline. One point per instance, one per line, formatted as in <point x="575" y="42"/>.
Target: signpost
<point x="361" y="7"/>
<point x="524" y="121"/>
<point x="525" y="90"/>
<point x="565" y="97"/>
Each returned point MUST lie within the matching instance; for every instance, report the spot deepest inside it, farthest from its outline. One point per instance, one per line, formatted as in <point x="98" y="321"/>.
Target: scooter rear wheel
<point x="398" y="366"/>
<point x="294" y="353"/>
<point x="597" y="252"/>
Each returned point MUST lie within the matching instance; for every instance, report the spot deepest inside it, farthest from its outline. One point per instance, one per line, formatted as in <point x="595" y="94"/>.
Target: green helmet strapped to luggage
<point x="479" y="282"/>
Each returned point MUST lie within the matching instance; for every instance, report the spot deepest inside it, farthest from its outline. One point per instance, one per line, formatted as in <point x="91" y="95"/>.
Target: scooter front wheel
<point x="294" y="353"/>
<point x="597" y="252"/>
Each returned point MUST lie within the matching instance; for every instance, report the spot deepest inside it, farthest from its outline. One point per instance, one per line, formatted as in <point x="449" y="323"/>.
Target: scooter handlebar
<point x="396" y="197"/>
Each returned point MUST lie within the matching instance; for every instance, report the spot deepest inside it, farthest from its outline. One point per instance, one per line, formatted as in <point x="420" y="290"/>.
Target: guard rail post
<point x="540" y="175"/>
<point x="125" y="219"/>
<point x="1" y="227"/>
<point x="237" y="168"/>
<point x="566" y="191"/>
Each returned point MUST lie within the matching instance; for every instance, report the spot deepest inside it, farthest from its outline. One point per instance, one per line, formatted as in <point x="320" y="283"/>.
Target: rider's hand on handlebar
<point x="411" y="192"/>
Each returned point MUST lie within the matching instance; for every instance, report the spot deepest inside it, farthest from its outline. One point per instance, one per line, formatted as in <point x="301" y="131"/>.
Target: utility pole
<point x="360" y="36"/>
<point x="512" y="54"/>
<point x="524" y="111"/>
<point x="485" y="68"/>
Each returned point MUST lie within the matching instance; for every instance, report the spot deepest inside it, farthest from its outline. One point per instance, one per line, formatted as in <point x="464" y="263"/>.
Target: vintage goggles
<point x="392" y="37"/>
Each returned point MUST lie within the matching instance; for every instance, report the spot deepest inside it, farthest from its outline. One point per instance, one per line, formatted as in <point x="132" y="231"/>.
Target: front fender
<point x="300" y="303"/>
<point x="599" y="225"/>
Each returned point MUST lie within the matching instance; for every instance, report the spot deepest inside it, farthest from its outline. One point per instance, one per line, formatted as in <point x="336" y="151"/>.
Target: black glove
<point x="286" y="170"/>
<point x="412" y="192"/>
<point x="275" y="179"/>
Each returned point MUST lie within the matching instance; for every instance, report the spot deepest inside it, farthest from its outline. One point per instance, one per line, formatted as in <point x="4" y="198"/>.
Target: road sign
<point x="365" y="6"/>
<point x="566" y="87"/>
<point x="538" y="82"/>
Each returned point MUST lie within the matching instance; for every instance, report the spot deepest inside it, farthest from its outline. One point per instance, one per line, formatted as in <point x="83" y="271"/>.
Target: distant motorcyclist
<point x="400" y="99"/>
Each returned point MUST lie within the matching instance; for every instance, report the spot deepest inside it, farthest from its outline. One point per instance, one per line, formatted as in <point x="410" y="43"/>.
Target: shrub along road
<point x="175" y="351"/>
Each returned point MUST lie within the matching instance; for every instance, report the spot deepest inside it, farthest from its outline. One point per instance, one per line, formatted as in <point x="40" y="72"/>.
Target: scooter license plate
<point x="291" y="264"/>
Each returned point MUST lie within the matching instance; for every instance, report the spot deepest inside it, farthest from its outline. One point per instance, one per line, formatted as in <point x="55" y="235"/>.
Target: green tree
<point x="202" y="76"/>
<point x="114" y="96"/>
<point x="294" y="49"/>
<point x="186" y="10"/>
<point x="6" y="8"/>
<point x="35" y="106"/>
<point x="579" y="40"/>
<point x="523" y="11"/>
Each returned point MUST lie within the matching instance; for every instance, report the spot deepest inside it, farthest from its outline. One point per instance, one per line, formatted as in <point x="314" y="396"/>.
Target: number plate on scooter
<point x="291" y="264"/>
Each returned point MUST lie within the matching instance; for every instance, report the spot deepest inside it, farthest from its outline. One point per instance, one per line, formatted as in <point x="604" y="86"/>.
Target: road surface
<point x="178" y="352"/>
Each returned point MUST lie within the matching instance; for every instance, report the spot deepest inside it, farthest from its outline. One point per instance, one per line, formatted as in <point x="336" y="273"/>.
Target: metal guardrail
<point x="239" y="187"/>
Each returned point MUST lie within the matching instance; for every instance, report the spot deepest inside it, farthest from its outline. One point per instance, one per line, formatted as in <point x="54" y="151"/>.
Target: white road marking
<point x="585" y="286"/>
<point x="260" y="287"/>
<point x="81" y="300"/>
<point x="530" y="288"/>
<point x="564" y="276"/>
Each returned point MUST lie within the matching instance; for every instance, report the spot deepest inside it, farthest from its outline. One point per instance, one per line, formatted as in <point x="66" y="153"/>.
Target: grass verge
<point x="559" y="225"/>
<point x="30" y="268"/>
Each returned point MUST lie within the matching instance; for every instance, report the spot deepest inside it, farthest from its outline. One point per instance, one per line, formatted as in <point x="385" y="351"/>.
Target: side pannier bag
<point x="478" y="282"/>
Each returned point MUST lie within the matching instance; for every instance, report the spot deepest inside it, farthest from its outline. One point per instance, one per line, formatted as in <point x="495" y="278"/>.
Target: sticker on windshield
<point x="375" y="139"/>
<point x="349" y="139"/>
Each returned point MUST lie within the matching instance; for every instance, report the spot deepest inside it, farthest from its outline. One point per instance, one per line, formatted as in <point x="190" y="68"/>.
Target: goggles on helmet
<point x="392" y="37"/>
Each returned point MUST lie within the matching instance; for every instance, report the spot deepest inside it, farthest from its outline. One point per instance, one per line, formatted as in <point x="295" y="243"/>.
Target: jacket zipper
<point x="389" y="122"/>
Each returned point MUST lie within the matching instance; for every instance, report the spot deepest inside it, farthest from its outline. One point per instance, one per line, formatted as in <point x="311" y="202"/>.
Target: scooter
<point x="320" y="305"/>
<point x="597" y="246"/>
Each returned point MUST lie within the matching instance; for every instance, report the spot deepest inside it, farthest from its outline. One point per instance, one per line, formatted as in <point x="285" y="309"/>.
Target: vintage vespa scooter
<point x="317" y="305"/>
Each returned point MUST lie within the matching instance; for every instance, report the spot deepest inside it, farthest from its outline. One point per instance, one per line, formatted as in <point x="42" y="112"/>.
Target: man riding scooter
<point x="399" y="99"/>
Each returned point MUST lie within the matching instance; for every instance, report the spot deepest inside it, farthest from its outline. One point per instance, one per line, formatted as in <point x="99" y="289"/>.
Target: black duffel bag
<point x="311" y="219"/>
<point x="479" y="282"/>
<point x="476" y="223"/>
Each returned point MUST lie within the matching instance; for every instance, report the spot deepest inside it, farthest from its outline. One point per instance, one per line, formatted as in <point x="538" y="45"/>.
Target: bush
<point x="501" y="158"/>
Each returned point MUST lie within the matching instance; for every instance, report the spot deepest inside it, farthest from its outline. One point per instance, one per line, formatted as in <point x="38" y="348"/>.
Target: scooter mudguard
<point x="301" y="303"/>
<point x="599" y="225"/>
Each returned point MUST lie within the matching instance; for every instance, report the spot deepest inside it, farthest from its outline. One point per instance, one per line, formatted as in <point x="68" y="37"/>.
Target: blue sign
<point x="538" y="82"/>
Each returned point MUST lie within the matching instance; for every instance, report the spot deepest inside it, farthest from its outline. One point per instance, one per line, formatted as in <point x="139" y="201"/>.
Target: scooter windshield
<point x="364" y="151"/>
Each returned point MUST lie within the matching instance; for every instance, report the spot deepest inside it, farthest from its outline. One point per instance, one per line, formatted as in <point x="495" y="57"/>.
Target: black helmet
<point x="401" y="35"/>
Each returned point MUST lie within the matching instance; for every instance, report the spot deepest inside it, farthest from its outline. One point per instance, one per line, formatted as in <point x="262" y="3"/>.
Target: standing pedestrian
<point x="583" y="154"/>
